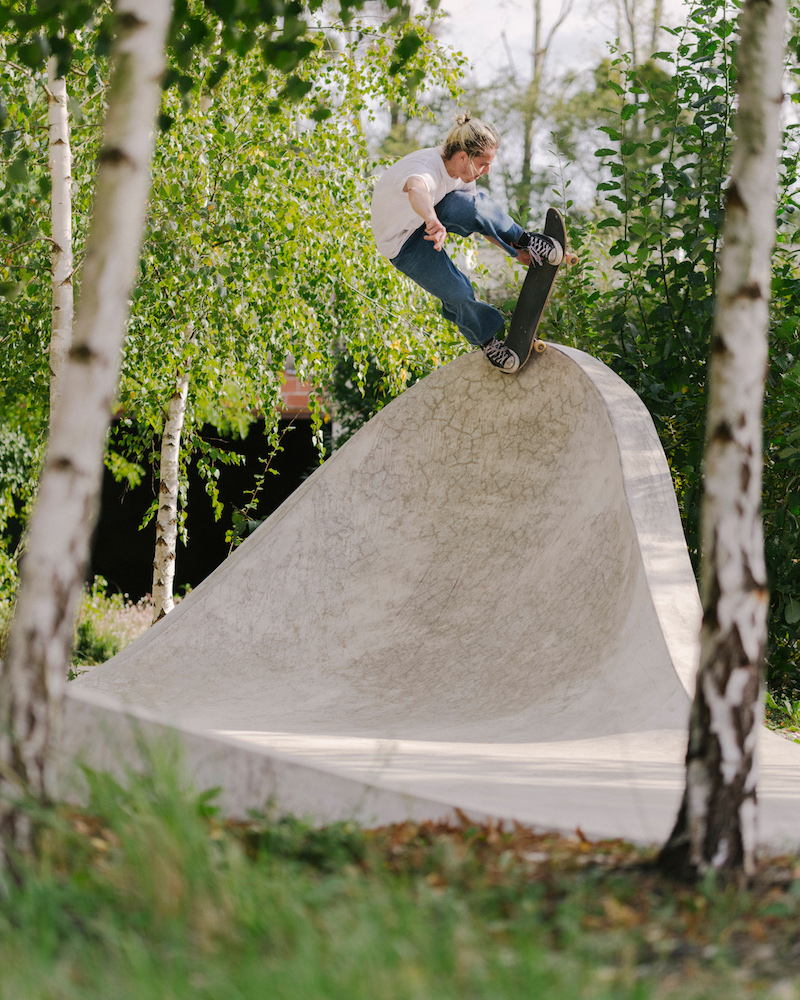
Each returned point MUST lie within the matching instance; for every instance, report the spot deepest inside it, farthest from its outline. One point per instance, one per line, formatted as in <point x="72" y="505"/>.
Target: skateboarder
<point x="437" y="186"/>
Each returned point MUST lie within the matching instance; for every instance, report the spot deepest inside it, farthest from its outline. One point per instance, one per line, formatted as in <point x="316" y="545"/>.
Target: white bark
<point x="53" y="570"/>
<point x="167" y="517"/>
<point x="61" y="264"/>
<point x="717" y="824"/>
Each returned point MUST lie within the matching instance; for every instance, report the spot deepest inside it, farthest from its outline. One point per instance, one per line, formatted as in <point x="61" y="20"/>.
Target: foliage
<point x="106" y="623"/>
<point x="280" y="30"/>
<point x="782" y="420"/>
<point x="665" y="173"/>
<point x="24" y="193"/>
<point x="258" y="245"/>
<point x="18" y="465"/>
<point x="666" y="223"/>
<point x="355" y="394"/>
<point x="148" y="892"/>
<point x="783" y="714"/>
<point x="259" y="248"/>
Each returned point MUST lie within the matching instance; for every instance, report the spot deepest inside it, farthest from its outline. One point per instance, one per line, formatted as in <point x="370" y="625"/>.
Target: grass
<point x="147" y="893"/>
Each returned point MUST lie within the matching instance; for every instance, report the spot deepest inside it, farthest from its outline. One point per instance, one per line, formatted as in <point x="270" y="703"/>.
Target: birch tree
<point x="167" y="516"/>
<point x="58" y="545"/>
<point x="61" y="257"/>
<point x="716" y="827"/>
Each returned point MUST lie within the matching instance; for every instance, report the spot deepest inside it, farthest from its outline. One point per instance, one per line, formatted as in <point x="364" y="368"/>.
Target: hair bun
<point x="469" y="135"/>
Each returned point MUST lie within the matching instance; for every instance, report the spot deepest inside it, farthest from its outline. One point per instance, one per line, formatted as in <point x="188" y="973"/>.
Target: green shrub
<point x="91" y="647"/>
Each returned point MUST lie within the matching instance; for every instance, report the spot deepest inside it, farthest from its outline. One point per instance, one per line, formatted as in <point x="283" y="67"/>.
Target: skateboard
<point x="535" y="294"/>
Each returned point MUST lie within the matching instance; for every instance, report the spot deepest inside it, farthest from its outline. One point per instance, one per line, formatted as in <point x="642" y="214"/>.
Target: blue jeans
<point x="464" y="214"/>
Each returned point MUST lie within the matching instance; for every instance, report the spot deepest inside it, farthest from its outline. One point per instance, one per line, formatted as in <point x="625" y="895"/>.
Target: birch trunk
<point x="61" y="264"/>
<point x="52" y="575"/>
<point x="716" y="826"/>
<point x="167" y="518"/>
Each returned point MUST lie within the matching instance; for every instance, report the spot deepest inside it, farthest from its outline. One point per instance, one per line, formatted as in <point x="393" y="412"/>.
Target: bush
<point x="106" y="624"/>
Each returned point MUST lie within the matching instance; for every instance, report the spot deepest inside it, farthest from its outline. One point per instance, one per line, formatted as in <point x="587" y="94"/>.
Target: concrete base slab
<point x="482" y="602"/>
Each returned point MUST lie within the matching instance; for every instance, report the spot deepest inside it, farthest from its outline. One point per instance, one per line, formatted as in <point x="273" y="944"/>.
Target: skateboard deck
<point x="535" y="294"/>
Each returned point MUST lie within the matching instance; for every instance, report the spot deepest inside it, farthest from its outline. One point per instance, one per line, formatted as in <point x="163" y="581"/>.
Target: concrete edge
<point x="653" y="508"/>
<point x="101" y="732"/>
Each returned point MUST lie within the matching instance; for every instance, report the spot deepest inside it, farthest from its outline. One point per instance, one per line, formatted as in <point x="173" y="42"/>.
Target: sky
<point x="477" y="27"/>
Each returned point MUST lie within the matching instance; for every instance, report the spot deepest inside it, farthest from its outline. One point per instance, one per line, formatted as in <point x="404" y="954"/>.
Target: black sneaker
<point x="541" y="248"/>
<point x="501" y="357"/>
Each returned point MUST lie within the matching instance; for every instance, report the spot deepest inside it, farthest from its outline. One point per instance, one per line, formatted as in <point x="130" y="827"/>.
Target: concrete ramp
<point x="483" y="601"/>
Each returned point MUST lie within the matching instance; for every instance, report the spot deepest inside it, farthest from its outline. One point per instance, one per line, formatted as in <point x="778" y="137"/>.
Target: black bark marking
<point x="82" y="353"/>
<point x="745" y="478"/>
<point x="750" y="291"/>
<point x="718" y="346"/>
<point x="722" y="433"/>
<point x="115" y="157"/>
<point x="734" y="199"/>
<point x="129" y="21"/>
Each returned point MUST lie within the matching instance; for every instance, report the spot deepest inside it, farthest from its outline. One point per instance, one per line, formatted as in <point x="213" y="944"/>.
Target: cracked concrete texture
<point x="483" y="600"/>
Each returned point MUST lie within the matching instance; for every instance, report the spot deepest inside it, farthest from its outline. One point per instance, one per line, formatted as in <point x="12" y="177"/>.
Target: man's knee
<point x="456" y="212"/>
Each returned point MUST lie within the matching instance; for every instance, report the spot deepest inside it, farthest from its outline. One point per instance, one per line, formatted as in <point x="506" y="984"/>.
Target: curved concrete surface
<point x="483" y="601"/>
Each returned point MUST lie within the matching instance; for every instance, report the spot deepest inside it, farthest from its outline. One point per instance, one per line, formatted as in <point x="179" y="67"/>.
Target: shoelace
<point x="539" y="248"/>
<point x="496" y="350"/>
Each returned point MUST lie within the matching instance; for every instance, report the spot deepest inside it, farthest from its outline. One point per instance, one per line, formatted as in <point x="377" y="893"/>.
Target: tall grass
<point x="147" y="893"/>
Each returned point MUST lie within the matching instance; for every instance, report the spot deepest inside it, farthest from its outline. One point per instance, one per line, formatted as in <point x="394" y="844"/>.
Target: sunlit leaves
<point x="259" y="246"/>
<point x="664" y="195"/>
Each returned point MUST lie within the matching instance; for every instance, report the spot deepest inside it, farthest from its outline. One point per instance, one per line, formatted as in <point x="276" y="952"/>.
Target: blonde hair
<point x="469" y="135"/>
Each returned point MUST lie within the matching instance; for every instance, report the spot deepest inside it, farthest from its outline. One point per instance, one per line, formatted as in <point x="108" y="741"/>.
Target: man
<point x="432" y="192"/>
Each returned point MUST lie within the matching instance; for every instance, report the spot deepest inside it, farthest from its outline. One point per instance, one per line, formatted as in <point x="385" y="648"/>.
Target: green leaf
<point x="407" y="47"/>
<point x="296" y="89"/>
<point x="218" y="71"/>
<point x="35" y="52"/>
<point x="18" y="170"/>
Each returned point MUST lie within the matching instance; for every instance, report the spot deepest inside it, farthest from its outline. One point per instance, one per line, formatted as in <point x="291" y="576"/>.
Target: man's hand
<point x="422" y="203"/>
<point x="435" y="233"/>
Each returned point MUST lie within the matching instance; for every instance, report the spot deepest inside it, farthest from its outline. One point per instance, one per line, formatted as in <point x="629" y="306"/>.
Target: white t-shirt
<point x="393" y="219"/>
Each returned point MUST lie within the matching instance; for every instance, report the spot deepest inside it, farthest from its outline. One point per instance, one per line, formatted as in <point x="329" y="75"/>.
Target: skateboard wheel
<point x="571" y="259"/>
<point x="539" y="346"/>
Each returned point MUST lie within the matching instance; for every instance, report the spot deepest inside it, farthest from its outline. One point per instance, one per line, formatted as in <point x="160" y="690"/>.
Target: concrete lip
<point x="482" y="602"/>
